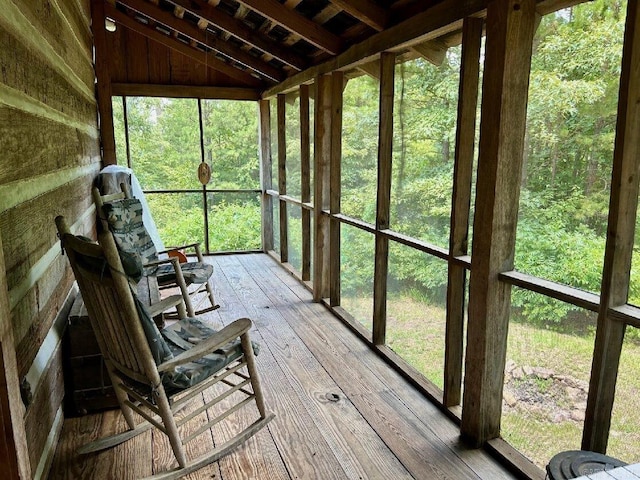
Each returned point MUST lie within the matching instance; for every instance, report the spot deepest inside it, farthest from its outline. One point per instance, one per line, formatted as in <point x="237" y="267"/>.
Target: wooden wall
<point x="50" y="153"/>
<point x="136" y="59"/>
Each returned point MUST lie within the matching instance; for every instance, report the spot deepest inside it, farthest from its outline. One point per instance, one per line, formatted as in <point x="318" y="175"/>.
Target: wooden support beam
<point x="267" y="26"/>
<point x="203" y="38"/>
<point x="265" y="175"/>
<point x="442" y="18"/>
<point x="623" y="206"/>
<point x="510" y="25"/>
<point x="297" y="23"/>
<point x="209" y="14"/>
<point x="241" y="13"/>
<point x="193" y="53"/>
<point x="383" y="209"/>
<point x="460" y="210"/>
<point x="183" y="91"/>
<point x="282" y="177"/>
<point x="545" y="7"/>
<point x="103" y="83"/>
<point x="125" y="117"/>
<point x="337" y="87"/>
<point x="305" y="179"/>
<point x="433" y="51"/>
<point x="326" y="14"/>
<point x="322" y="182"/>
<point x="14" y="452"/>
<point x="372" y="69"/>
<point x="365" y="11"/>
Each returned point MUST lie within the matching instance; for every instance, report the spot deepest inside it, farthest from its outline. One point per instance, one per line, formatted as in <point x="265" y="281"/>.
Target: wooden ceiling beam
<point x="183" y="91"/>
<point x="326" y="14"/>
<point x="372" y="69"/>
<point x="194" y="33"/>
<point x="433" y="51"/>
<point x="441" y="19"/>
<point x="297" y="23"/>
<point x="268" y="25"/>
<point x="365" y="11"/>
<point x="193" y="53"/>
<point x="545" y="7"/>
<point x="208" y="12"/>
<point x="239" y="15"/>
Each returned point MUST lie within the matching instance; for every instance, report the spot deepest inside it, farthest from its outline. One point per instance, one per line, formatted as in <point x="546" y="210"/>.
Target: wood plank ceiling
<point x="260" y="43"/>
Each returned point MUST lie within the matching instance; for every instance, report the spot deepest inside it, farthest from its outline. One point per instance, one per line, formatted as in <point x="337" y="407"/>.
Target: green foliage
<point x="231" y="143"/>
<point x="572" y="110"/>
<point x="424" y="276"/>
<point x="165" y="140"/>
<point x="360" y="148"/>
<point x="356" y="262"/>
<point x="235" y="226"/>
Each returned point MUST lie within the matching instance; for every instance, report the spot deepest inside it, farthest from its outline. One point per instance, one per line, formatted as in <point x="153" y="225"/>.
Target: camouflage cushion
<point x="193" y="272"/>
<point x="159" y="348"/>
<point x="125" y="222"/>
<point x="179" y="337"/>
<point x="183" y="335"/>
<point x="131" y="262"/>
<point x="133" y="240"/>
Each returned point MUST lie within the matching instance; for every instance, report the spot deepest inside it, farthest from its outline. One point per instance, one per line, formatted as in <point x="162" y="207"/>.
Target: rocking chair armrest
<point x="164" y="305"/>
<point x="180" y="247"/>
<point x="234" y="330"/>
<point x="155" y="263"/>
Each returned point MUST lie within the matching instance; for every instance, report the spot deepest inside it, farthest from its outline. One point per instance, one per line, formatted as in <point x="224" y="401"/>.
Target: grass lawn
<point x="541" y="416"/>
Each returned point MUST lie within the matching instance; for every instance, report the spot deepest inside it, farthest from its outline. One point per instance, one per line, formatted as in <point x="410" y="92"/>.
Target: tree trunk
<point x="446" y="149"/>
<point x="525" y="158"/>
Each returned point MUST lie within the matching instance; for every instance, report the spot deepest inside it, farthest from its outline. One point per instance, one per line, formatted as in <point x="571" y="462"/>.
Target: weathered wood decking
<point x="341" y="412"/>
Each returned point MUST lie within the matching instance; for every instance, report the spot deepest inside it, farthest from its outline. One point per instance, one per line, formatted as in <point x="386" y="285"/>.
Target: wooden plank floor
<point x="341" y="412"/>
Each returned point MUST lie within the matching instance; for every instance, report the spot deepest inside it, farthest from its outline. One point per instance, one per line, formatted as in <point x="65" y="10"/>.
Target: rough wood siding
<point x="50" y="155"/>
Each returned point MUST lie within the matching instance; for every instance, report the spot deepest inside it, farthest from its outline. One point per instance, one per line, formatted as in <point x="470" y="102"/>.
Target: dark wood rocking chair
<point x="157" y="373"/>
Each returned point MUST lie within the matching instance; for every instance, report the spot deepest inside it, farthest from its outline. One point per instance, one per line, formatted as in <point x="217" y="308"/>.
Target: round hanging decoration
<point x="204" y="173"/>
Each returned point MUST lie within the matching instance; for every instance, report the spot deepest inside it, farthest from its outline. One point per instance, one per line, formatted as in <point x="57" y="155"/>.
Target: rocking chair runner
<point x="155" y="373"/>
<point x="121" y="214"/>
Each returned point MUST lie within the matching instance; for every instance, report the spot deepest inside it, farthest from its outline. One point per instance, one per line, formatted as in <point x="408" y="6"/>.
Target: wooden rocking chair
<point x="155" y="373"/>
<point x="121" y="214"/>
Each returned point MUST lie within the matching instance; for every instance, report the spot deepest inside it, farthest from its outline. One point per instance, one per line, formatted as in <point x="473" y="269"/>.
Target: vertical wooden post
<point x="14" y="454"/>
<point x="265" y="175"/>
<point x="322" y="183"/>
<point x="125" y="117"/>
<point x="282" y="178"/>
<point x="510" y="26"/>
<point x="103" y="85"/>
<point x="623" y="206"/>
<point x="305" y="179"/>
<point x="205" y="199"/>
<point x="385" y="147"/>
<point x="337" y="86"/>
<point x="463" y="170"/>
